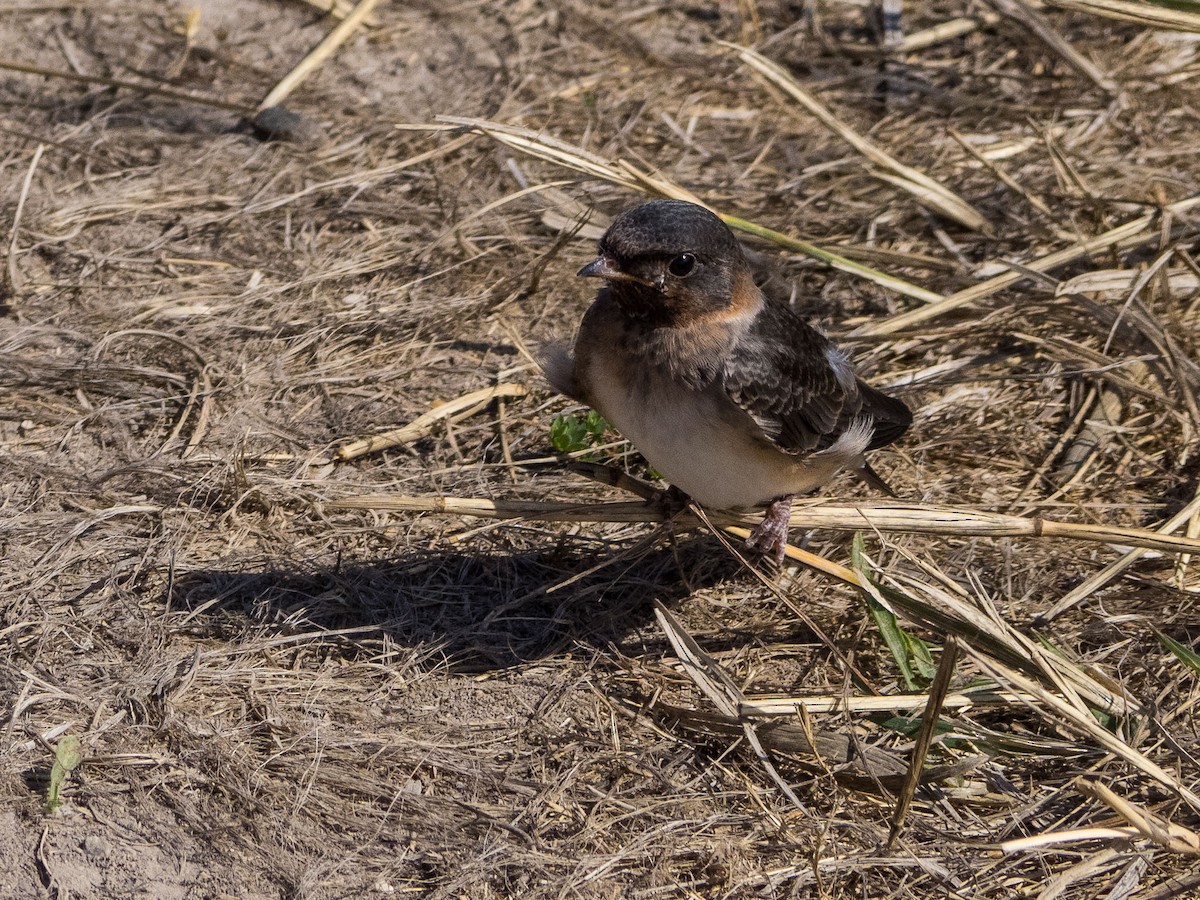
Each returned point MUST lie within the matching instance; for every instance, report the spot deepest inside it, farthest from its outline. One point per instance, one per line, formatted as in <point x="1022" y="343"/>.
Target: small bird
<point x="734" y="398"/>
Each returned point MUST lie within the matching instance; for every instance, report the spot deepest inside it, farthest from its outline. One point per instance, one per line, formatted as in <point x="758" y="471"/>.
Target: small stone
<point x="96" y="847"/>
<point x="413" y="786"/>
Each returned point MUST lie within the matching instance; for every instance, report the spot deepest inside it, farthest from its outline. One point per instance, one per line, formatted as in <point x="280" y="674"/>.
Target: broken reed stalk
<point x="926" y="190"/>
<point x="625" y="174"/>
<point x="1130" y="231"/>
<point x="318" y="55"/>
<point x="771" y="705"/>
<point x="888" y="517"/>
<point x="161" y="91"/>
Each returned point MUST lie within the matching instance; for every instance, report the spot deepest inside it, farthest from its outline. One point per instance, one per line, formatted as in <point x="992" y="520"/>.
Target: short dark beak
<point x="603" y="267"/>
<point x="607" y="268"/>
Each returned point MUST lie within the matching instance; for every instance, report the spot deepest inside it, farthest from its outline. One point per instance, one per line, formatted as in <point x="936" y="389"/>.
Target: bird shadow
<point x="479" y="610"/>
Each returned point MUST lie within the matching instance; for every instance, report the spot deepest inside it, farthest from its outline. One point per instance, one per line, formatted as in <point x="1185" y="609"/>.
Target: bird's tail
<point x="871" y="477"/>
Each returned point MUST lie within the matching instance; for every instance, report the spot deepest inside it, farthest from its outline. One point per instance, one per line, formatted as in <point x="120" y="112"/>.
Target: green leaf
<point x="571" y="434"/>
<point x="1183" y="653"/>
<point x="596" y="425"/>
<point x="567" y="434"/>
<point x="906" y="649"/>
<point x="67" y="755"/>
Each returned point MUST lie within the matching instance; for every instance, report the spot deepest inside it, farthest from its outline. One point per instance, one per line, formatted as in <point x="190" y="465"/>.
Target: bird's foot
<point x="770" y="536"/>
<point x="670" y="502"/>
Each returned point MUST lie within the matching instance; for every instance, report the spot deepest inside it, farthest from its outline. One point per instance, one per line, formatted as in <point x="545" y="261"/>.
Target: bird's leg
<point x="771" y="534"/>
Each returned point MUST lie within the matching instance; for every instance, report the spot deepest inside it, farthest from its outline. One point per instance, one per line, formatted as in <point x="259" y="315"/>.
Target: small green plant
<point x="68" y="754"/>
<point x="1184" y="654"/>
<point x="910" y="652"/>
<point x="570" y="434"/>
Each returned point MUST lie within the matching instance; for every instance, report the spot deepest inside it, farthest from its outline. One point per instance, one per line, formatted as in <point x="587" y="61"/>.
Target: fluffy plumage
<point x="733" y="398"/>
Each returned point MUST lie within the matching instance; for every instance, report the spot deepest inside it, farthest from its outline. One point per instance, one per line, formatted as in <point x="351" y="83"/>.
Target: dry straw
<point x="457" y="409"/>
<point x="627" y="175"/>
<point x="1172" y="17"/>
<point x="319" y="54"/>
<point x="926" y="190"/>
<point x="885" y="517"/>
<point x="1136" y="231"/>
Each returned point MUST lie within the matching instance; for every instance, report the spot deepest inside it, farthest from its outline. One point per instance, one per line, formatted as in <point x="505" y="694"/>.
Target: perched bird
<point x="733" y="397"/>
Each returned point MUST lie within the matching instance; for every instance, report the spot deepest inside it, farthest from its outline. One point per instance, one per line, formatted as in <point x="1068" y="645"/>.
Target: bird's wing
<point x="557" y="363"/>
<point x="800" y="389"/>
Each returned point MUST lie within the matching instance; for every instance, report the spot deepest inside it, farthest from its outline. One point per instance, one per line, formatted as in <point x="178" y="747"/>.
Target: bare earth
<point x="277" y="698"/>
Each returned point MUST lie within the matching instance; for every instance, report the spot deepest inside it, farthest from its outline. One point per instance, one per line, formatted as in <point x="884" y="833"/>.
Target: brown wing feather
<point x="797" y="387"/>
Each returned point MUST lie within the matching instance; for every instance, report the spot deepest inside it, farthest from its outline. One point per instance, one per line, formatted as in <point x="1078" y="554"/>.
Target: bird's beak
<point x="606" y="267"/>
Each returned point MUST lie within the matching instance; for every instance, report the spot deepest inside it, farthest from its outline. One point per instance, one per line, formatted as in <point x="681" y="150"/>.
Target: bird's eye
<point x="681" y="266"/>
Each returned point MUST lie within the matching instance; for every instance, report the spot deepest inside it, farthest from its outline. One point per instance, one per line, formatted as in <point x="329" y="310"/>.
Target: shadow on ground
<point x="480" y="610"/>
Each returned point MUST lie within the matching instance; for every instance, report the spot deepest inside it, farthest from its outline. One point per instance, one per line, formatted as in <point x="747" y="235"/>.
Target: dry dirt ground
<point x="276" y="698"/>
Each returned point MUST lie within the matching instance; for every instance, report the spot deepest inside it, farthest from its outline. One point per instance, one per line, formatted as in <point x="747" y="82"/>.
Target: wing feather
<point x="800" y="389"/>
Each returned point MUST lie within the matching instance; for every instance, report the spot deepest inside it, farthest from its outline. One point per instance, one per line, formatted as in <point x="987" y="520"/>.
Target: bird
<point x="730" y="395"/>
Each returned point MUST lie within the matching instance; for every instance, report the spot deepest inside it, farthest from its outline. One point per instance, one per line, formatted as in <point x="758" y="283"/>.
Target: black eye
<point x="681" y="266"/>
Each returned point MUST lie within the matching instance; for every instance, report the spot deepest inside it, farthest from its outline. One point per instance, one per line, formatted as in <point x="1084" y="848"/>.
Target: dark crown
<point x="667" y="228"/>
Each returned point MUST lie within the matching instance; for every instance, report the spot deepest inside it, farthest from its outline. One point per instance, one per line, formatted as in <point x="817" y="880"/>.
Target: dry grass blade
<point x="1027" y="17"/>
<point x="1178" y="281"/>
<point x="701" y="668"/>
<point x="1009" y="182"/>
<point x="1135" y="230"/>
<point x="1071" y="836"/>
<point x="879" y="516"/>
<point x="929" y="721"/>
<point x="126" y="84"/>
<point x="549" y="149"/>
<point x="948" y="609"/>
<point x="1152" y="15"/>
<point x="865" y="767"/>
<point x="949" y="30"/>
<point x="927" y="191"/>
<point x="319" y="54"/>
<point x="834" y="260"/>
<point x="1063" y="714"/>
<point x="466" y="405"/>
<point x="805" y="558"/>
<point x="1170" y="836"/>
<point x="11" y="283"/>
<point x="627" y="175"/>
<point x="1116" y="567"/>
<point x="775" y="705"/>
<point x="719" y="688"/>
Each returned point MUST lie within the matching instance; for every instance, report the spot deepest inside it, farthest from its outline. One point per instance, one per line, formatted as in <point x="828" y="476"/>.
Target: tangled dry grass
<point x="287" y="683"/>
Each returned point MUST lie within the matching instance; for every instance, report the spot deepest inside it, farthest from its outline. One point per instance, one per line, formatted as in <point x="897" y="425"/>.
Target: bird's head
<point x="668" y="261"/>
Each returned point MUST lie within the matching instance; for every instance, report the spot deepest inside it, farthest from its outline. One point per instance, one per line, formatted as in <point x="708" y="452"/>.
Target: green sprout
<point x="68" y="754"/>
<point x="911" y="654"/>
<point x="571" y="434"/>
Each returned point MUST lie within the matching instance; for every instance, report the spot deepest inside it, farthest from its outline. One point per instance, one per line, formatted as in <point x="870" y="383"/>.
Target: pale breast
<point x="700" y="441"/>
